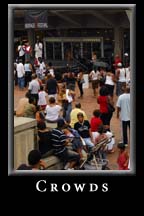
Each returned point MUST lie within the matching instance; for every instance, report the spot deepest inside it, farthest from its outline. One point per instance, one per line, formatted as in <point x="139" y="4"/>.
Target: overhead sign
<point x="36" y="19"/>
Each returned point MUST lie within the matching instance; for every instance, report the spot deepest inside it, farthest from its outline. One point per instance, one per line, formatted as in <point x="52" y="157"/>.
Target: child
<point x="95" y="122"/>
<point x="101" y="135"/>
<point x="123" y="158"/>
<point x="40" y="116"/>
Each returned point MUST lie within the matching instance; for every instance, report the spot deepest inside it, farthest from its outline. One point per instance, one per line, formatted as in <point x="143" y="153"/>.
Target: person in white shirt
<point x="127" y="69"/>
<point x="70" y="94"/>
<point x="94" y="76"/>
<point x="28" y="72"/>
<point x="109" y="82"/>
<point x="42" y="98"/>
<point x="121" y="79"/>
<point x="53" y="111"/>
<point x="38" y="49"/>
<point x="21" y="51"/>
<point x="20" y="74"/>
<point x="123" y="107"/>
<point x="51" y="69"/>
<point x="34" y="87"/>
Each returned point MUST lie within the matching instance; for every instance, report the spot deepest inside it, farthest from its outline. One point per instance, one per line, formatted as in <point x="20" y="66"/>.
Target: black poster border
<point x="116" y="183"/>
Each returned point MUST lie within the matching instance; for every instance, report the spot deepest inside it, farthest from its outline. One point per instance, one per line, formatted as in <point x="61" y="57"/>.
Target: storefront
<point x="64" y="48"/>
<point x="77" y="33"/>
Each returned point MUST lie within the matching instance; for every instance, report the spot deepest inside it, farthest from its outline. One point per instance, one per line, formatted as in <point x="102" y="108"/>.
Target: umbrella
<point x="101" y="64"/>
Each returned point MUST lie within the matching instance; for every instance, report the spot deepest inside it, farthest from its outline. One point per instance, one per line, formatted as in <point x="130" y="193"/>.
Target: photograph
<point x="71" y="76"/>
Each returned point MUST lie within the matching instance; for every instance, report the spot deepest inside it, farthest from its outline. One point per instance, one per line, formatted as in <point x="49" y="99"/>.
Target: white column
<point x="53" y="52"/>
<point x="118" y="37"/>
<point x="44" y="43"/>
<point x="81" y="49"/>
<point x="102" y="48"/>
<point x="62" y="44"/>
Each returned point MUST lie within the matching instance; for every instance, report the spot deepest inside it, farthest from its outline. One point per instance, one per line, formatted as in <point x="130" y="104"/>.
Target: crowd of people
<point x="72" y="135"/>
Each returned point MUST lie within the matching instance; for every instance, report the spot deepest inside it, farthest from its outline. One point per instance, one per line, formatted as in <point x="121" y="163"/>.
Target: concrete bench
<point x="53" y="163"/>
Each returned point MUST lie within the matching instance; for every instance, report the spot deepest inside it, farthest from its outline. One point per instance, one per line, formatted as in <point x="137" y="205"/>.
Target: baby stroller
<point x="99" y="162"/>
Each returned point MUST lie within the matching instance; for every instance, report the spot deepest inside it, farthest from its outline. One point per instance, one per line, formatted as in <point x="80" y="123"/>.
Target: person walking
<point x="34" y="88"/>
<point x="21" y="74"/>
<point x="94" y="76"/>
<point x="80" y="81"/>
<point x="123" y="108"/>
<point x="21" y="52"/>
<point x="38" y="49"/>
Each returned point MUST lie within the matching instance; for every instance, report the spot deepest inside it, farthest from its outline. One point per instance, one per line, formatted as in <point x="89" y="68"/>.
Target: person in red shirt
<point x="123" y="157"/>
<point x="28" y="51"/>
<point x="116" y="61"/>
<point x="103" y="100"/>
<point x="95" y="120"/>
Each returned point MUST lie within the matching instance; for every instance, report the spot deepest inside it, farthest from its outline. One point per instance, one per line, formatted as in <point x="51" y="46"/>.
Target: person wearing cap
<point x="60" y="142"/>
<point x="126" y="59"/>
<point x="34" y="162"/>
<point x="121" y="79"/>
<point x="116" y="61"/>
<point x="74" y="112"/>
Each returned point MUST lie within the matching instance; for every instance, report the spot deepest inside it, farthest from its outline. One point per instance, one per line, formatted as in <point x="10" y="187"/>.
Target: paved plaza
<point x="89" y="103"/>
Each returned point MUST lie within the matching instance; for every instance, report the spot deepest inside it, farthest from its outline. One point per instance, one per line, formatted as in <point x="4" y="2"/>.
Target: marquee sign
<point x="36" y="19"/>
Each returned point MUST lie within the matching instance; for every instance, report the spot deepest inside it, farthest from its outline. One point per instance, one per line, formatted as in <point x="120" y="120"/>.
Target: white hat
<point x="119" y="64"/>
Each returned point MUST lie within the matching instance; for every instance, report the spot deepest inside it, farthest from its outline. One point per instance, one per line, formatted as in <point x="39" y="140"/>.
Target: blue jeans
<point x="88" y="142"/>
<point x="21" y="82"/>
<point x="68" y="111"/>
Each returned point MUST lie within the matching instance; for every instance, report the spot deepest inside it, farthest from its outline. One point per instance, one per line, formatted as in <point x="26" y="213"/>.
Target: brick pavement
<point x="88" y="103"/>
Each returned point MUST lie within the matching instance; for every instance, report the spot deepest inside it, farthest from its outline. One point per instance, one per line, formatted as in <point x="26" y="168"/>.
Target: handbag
<point x="111" y="109"/>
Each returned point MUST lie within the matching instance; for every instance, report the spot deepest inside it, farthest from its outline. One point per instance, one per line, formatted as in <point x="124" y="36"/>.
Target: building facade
<point x="77" y="33"/>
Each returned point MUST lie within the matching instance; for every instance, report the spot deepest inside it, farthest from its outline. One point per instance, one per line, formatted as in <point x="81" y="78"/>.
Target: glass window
<point x="57" y="51"/>
<point x="76" y="50"/>
<point x="96" y="47"/>
<point x="67" y="51"/>
<point x="49" y="50"/>
<point x="87" y="50"/>
<point x="108" y="50"/>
